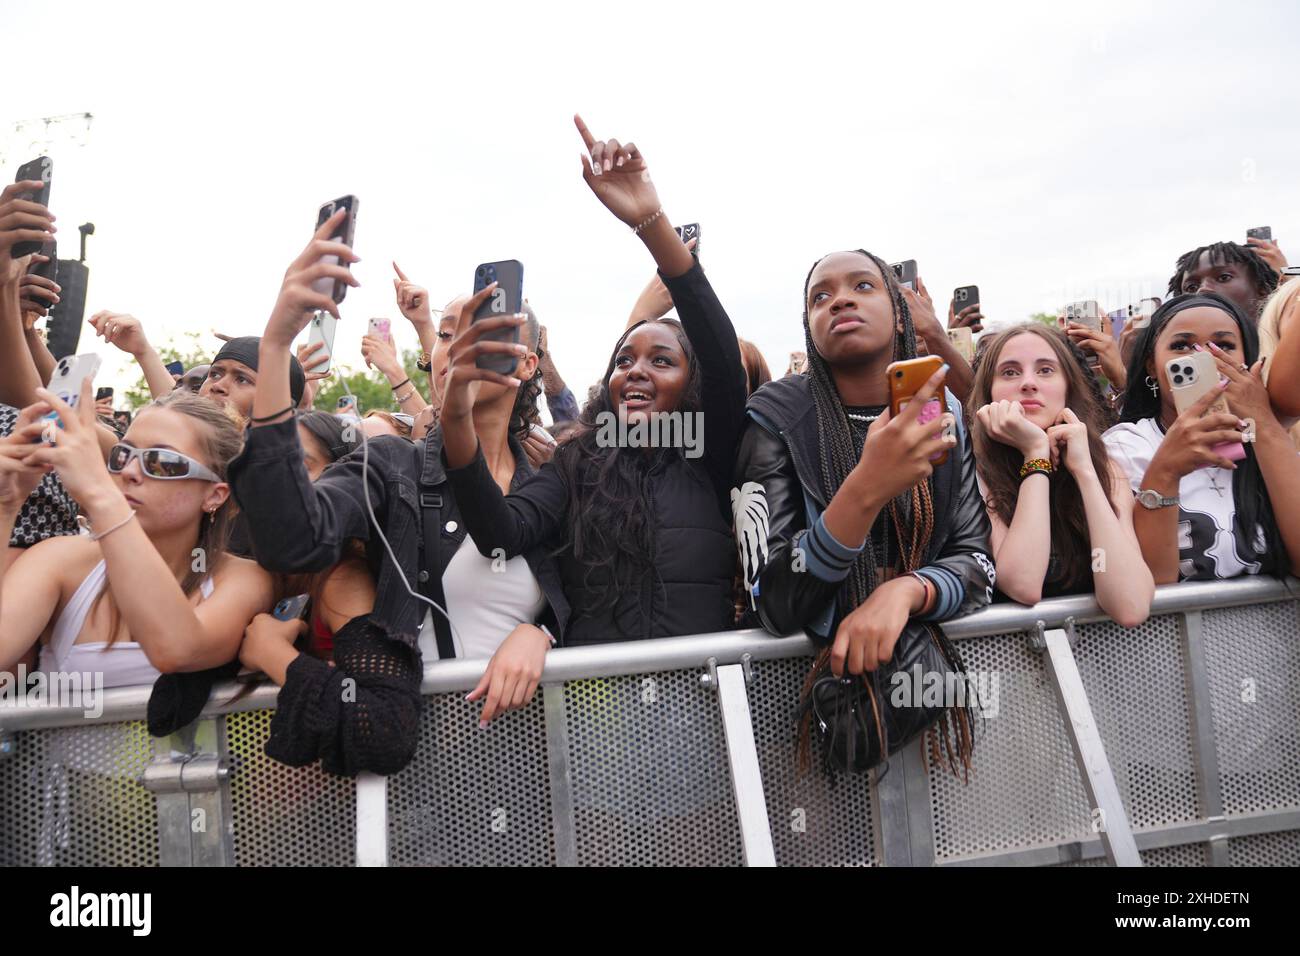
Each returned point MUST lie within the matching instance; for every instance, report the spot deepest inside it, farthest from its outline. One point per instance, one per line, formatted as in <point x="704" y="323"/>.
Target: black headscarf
<point x="244" y="350"/>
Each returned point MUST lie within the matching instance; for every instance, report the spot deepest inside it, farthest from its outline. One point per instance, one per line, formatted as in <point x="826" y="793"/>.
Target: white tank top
<point x="487" y="598"/>
<point x="122" y="663"/>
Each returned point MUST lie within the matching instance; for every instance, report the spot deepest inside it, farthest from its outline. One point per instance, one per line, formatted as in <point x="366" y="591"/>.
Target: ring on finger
<point x="1243" y="367"/>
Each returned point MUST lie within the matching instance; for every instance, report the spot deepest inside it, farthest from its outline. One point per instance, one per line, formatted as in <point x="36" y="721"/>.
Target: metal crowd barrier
<point x="1173" y="743"/>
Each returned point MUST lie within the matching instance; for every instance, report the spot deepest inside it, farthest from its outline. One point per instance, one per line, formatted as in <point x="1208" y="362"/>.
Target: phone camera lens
<point x="1178" y="380"/>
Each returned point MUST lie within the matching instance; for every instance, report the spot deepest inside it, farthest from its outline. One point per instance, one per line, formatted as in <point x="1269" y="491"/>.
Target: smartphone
<point x="964" y="296"/>
<point x="905" y="272"/>
<point x="906" y="379"/>
<point x="345" y="233"/>
<point x="688" y="232"/>
<point x="291" y="608"/>
<point x="1085" y="312"/>
<point x="103" y="392"/>
<point x="963" y="340"/>
<point x="381" y="329"/>
<point x="323" y="326"/>
<point x="1191" y="376"/>
<point x="507" y="299"/>
<point x="49" y="269"/>
<point x="1260" y="232"/>
<point x="41" y="168"/>
<point x="347" y="403"/>
<point x="69" y="374"/>
<point x="1139" y="313"/>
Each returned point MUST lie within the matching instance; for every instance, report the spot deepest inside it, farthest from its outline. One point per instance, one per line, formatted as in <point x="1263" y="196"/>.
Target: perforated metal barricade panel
<point x="1265" y="849"/>
<point x="1187" y="854"/>
<point x="1137" y="687"/>
<point x="474" y="797"/>
<point x="1024" y="788"/>
<point x="814" y="822"/>
<point x="1253" y="657"/>
<point x="651" y="781"/>
<point x="71" y="797"/>
<point x="286" y="816"/>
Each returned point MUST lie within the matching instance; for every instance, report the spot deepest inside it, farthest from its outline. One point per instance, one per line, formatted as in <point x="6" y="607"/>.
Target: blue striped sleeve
<point x="948" y="593"/>
<point x="825" y="557"/>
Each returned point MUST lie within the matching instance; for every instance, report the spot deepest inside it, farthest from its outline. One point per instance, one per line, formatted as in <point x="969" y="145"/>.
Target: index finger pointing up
<point x="400" y="274"/>
<point x="588" y="140"/>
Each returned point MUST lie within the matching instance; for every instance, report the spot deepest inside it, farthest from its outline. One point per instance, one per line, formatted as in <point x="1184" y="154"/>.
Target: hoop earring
<point x="1151" y="384"/>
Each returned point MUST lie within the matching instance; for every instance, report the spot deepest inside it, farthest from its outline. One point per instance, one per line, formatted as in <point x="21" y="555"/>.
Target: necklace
<point x="1214" y="484"/>
<point x="862" y="418"/>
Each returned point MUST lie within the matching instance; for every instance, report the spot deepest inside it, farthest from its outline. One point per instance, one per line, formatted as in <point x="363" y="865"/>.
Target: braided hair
<point x="909" y="521"/>
<point x="839" y="453"/>
<point x="1222" y="253"/>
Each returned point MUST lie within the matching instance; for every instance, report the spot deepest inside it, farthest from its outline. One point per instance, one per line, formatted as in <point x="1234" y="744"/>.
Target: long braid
<point x="839" y="457"/>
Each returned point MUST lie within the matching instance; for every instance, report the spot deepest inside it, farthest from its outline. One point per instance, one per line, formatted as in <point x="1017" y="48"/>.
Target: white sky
<point x="1040" y="152"/>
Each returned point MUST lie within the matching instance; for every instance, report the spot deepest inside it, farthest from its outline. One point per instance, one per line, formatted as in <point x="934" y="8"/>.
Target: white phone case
<point x="322" y="328"/>
<point x="69" y="374"/>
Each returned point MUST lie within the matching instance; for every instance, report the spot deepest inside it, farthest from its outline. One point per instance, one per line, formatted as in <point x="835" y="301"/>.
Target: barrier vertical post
<point x="746" y="778"/>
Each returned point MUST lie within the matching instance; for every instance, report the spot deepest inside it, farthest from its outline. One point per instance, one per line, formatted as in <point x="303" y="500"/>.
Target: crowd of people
<point x="228" y="526"/>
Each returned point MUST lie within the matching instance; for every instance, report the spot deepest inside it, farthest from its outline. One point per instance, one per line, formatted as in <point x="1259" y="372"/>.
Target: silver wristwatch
<point x="1154" y="500"/>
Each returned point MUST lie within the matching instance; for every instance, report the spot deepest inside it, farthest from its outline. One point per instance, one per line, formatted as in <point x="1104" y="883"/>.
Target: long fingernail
<point x="482" y="725"/>
<point x="515" y="383"/>
<point x="946" y="368"/>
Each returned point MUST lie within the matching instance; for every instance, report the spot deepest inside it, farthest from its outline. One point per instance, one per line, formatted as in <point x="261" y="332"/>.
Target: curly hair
<point x="611" y="515"/>
<point x="1221" y="253"/>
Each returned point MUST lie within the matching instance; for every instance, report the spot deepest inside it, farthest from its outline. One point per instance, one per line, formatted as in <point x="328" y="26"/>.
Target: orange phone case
<point x="906" y="379"/>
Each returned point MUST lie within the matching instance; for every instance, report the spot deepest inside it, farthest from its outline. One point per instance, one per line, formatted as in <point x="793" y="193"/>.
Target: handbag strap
<point x="430" y="577"/>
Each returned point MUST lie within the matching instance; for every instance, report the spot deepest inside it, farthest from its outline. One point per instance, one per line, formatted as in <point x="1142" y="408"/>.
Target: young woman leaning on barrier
<point x="641" y="530"/>
<point x="303" y="526"/>
<point x="152" y="589"/>
<point x="847" y="528"/>
<point x="1203" y="515"/>
<point x="1060" y="509"/>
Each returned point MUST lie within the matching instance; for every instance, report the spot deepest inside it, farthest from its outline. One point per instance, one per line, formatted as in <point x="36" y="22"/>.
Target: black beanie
<point x="244" y="350"/>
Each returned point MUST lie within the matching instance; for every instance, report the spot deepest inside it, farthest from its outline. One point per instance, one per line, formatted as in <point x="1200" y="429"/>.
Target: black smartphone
<point x="345" y="233"/>
<point x="506" y="299"/>
<point x="49" y="269"/>
<point x="905" y="272"/>
<point x="963" y="296"/>
<point x="103" y="392"/>
<point x="688" y="232"/>
<point x="42" y="169"/>
<point x="1260" y="232"/>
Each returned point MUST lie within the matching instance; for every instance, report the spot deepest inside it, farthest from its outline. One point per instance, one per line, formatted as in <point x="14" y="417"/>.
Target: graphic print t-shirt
<point x="1211" y="545"/>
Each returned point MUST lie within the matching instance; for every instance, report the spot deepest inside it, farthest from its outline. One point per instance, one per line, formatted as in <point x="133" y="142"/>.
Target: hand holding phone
<point x="1193" y="376"/>
<point x="66" y="385"/>
<point x="506" y="299"/>
<point x="343" y="232"/>
<point x="905" y="273"/>
<point x="31" y="226"/>
<point x="910" y="378"/>
<point x="298" y="297"/>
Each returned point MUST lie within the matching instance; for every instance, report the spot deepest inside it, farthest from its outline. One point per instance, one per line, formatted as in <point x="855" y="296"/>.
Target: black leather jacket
<point x="298" y="525"/>
<point x="779" y="462"/>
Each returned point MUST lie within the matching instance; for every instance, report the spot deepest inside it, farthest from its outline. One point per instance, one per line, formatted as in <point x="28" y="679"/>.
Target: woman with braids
<point x="1203" y="516"/>
<point x="641" y="532"/>
<point x="424" y="554"/>
<point x="152" y="590"/>
<point x="1060" y="510"/>
<point x="846" y="527"/>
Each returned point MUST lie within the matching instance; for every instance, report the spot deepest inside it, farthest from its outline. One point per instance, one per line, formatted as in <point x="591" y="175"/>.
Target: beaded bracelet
<point x="637" y="229"/>
<point x="1035" y="466"/>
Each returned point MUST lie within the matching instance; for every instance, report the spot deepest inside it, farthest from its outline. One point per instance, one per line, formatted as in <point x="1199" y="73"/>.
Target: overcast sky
<point x="1041" y="152"/>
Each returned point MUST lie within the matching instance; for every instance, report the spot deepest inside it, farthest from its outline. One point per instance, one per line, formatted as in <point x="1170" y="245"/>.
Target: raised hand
<point x="970" y="317"/>
<point x="297" y="299"/>
<point x="382" y="354"/>
<point x="1269" y="251"/>
<point x="618" y="175"/>
<point x="37" y="294"/>
<point x="75" y="453"/>
<point x="412" y="299"/>
<point x="466" y="347"/>
<point x="897" y="451"/>
<point x="21" y="220"/>
<point x="1068" y="439"/>
<point x="1190" y="441"/>
<point x="1101" y="343"/>
<point x="19" y="475"/>
<point x="121" y="330"/>
<point x="1005" y="422"/>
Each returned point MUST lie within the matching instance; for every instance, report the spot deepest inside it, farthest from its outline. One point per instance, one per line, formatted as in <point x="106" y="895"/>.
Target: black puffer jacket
<point x="691" y="589"/>
<point x="779" y="498"/>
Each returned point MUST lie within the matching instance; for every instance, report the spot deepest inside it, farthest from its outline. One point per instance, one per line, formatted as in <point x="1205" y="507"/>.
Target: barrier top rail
<point x="674" y="653"/>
